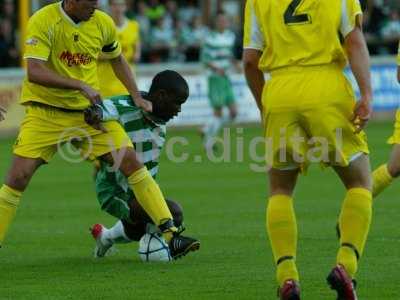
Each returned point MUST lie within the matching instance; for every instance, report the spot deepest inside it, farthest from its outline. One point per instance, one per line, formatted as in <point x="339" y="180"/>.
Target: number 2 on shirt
<point x="290" y="16"/>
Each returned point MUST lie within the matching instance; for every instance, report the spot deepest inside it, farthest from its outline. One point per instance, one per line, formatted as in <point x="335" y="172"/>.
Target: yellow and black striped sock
<point x="9" y="201"/>
<point x="282" y="231"/>
<point x="354" y="220"/>
<point x="150" y="197"/>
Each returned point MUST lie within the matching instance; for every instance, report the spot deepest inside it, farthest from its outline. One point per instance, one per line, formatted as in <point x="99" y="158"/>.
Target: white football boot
<point x="103" y="245"/>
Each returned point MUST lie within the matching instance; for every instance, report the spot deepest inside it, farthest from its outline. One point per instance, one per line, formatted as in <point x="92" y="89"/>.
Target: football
<point x="153" y="248"/>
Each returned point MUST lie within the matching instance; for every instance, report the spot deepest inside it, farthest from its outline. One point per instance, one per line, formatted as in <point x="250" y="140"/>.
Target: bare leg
<point x="394" y="161"/>
<point x="17" y="179"/>
<point x="21" y="172"/>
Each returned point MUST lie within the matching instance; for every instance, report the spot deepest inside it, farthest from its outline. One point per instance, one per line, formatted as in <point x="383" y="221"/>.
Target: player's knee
<point x="176" y="211"/>
<point x="394" y="169"/>
<point x="130" y="163"/>
<point x="18" y="180"/>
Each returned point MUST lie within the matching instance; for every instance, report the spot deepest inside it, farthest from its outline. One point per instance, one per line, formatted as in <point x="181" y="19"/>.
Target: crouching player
<point x="167" y="93"/>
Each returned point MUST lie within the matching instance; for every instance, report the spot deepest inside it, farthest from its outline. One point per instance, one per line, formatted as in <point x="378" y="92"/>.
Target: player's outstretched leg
<point x="384" y="175"/>
<point x="354" y="223"/>
<point x="282" y="232"/>
<point x="18" y="177"/>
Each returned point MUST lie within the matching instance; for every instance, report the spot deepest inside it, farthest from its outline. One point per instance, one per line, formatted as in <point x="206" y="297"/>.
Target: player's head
<point x="221" y="21"/>
<point x="168" y="91"/>
<point x="117" y="7"/>
<point x="81" y="10"/>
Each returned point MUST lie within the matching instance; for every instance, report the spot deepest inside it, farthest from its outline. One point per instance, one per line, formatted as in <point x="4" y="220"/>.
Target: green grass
<point x="48" y="253"/>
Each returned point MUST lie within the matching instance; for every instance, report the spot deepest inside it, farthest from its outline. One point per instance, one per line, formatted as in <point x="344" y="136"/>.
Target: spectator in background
<point x="9" y="50"/>
<point x="188" y="11"/>
<point x="143" y="20"/>
<point x="155" y="11"/>
<point x="9" y="53"/>
<point x="391" y="32"/>
<point x="171" y="15"/>
<point x="9" y="12"/>
<point x="162" y="42"/>
<point x="192" y="37"/>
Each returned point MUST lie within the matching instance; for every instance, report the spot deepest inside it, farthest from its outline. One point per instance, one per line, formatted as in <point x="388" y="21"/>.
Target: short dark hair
<point x="172" y="82"/>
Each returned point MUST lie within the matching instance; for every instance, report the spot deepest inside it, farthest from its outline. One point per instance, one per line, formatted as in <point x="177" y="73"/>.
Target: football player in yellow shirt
<point x="310" y="113"/>
<point x="384" y="175"/>
<point x="63" y="44"/>
<point x="128" y="36"/>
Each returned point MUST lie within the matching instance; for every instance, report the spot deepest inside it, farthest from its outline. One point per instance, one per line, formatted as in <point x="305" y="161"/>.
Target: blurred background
<point x="171" y="36"/>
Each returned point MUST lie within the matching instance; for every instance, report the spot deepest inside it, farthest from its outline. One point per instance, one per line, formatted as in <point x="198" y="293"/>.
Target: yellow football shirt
<point x="299" y="33"/>
<point x="128" y="36"/>
<point x="69" y="49"/>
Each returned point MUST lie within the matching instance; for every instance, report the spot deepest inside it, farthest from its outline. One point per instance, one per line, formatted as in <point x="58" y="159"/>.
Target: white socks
<point x="212" y="128"/>
<point x="116" y="234"/>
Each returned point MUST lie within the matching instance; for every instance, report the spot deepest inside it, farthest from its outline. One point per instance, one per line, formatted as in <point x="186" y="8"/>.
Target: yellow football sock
<point x="381" y="180"/>
<point x="354" y="220"/>
<point x="282" y="231"/>
<point x="150" y="197"/>
<point x="9" y="200"/>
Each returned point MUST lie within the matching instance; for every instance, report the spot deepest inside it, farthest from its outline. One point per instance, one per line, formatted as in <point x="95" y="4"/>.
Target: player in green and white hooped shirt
<point x="147" y="132"/>
<point x="217" y="55"/>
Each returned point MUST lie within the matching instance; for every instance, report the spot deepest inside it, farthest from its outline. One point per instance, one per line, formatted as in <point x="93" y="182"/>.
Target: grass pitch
<point x="48" y="252"/>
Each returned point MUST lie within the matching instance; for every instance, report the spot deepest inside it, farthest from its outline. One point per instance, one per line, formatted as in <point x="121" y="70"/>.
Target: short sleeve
<point x="351" y="9"/>
<point x="38" y="39"/>
<point x="253" y="36"/>
<point x="111" y="46"/>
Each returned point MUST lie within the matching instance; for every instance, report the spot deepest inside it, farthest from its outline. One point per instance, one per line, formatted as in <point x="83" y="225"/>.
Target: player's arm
<point x="253" y="44"/>
<point x="38" y="46"/>
<point x="359" y="60"/>
<point x="124" y="73"/>
<point x="112" y="50"/>
<point x="107" y="110"/>
<point x="254" y="77"/>
<point x="39" y="73"/>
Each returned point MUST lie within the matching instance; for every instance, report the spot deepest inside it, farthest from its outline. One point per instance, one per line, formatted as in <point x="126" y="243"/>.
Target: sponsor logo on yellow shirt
<point x="75" y="59"/>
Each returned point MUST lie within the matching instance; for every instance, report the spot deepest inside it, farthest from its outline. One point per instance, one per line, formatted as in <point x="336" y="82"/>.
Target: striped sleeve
<point x="253" y="36"/>
<point x="351" y="10"/>
<point x="115" y="108"/>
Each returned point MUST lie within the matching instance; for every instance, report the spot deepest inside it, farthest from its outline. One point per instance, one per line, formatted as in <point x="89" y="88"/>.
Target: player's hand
<point x="2" y="113"/>
<point x="146" y="105"/>
<point x="90" y="93"/>
<point x="362" y="114"/>
<point x="94" y="117"/>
